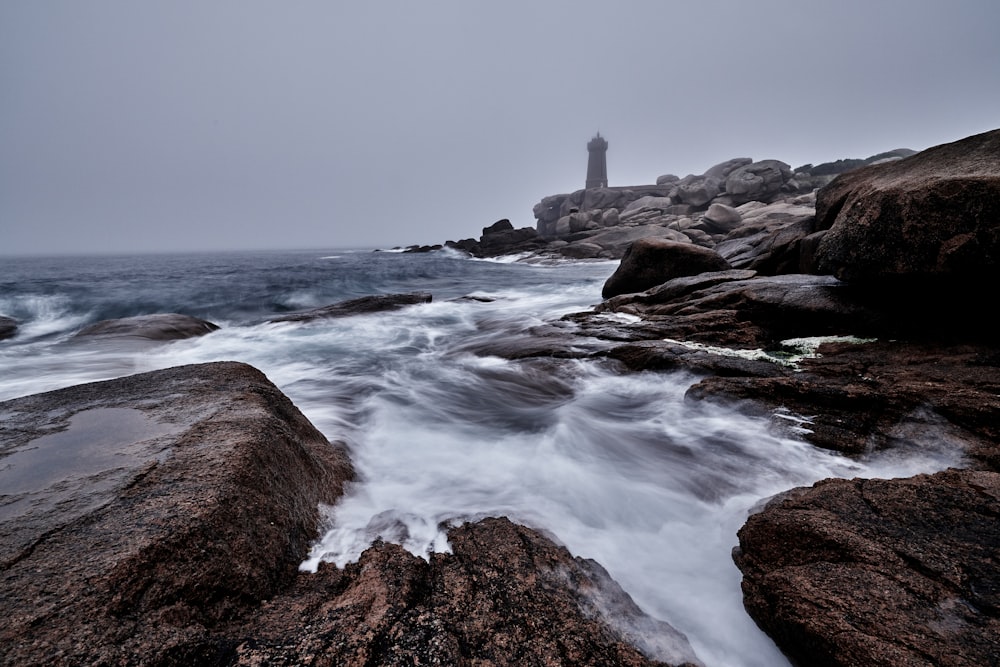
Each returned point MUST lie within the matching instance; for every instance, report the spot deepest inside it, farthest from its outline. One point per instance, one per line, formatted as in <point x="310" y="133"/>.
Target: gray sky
<point x="187" y="125"/>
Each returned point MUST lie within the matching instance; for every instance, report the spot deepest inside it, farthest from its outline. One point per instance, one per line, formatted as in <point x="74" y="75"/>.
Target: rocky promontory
<point x="140" y="512"/>
<point x="855" y="316"/>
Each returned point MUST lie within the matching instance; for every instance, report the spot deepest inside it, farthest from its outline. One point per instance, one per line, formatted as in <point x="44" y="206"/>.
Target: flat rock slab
<point x="360" y="306"/>
<point x="879" y="572"/>
<point x="138" y="512"/>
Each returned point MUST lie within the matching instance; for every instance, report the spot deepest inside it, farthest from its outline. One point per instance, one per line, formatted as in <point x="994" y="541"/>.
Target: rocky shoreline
<point x="160" y="519"/>
<point x="901" y="255"/>
<point x="179" y="543"/>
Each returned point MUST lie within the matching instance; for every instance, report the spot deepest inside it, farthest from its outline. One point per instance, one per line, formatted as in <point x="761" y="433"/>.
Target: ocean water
<point x="617" y="467"/>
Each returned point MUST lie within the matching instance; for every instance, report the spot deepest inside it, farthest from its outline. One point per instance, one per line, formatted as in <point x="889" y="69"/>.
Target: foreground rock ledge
<point x="160" y="519"/>
<point x="505" y="596"/>
<point x="879" y="572"/>
<point x="138" y="512"/>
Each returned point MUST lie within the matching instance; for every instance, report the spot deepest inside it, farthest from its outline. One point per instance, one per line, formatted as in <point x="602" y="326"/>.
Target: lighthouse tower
<point x="597" y="163"/>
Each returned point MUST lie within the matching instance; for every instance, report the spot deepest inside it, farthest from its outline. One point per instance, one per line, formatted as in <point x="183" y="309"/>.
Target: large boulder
<point x="650" y="261"/>
<point x="722" y="170"/>
<point x="721" y="219"/>
<point x="879" y="572"/>
<point x="929" y="220"/>
<point x="699" y="190"/>
<point x="758" y="181"/>
<point x="160" y="326"/>
<point x="140" y="511"/>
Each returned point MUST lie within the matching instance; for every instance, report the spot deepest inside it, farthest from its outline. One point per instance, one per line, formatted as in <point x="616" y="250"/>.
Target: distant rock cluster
<point x="705" y="209"/>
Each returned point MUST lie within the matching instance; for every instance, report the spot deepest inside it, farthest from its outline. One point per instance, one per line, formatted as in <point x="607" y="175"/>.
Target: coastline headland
<point x="847" y="304"/>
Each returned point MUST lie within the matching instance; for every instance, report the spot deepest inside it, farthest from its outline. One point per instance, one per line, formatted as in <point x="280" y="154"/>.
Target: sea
<point x="616" y="466"/>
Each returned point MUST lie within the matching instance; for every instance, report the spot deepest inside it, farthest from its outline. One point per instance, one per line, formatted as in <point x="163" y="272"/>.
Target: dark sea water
<point x="619" y="468"/>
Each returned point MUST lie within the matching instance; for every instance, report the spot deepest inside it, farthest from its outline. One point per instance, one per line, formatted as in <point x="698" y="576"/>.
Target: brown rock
<point x="649" y="262"/>
<point x="879" y="572"/>
<point x="138" y="512"/>
<point x="505" y="596"/>
<point x="859" y="398"/>
<point x="932" y="219"/>
<point x="735" y="308"/>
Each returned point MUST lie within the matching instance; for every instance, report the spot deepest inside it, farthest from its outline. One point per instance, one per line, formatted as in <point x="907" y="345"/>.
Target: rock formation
<point x="8" y="327"/>
<point x="160" y="519"/>
<point x="360" y="306"/>
<point x="160" y="326"/>
<point x="140" y="511"/>
<point x="879" y="572"/>
<point x="649" y="262"/>
<point x="929" y="219"/>
<point x="505" y="596"/>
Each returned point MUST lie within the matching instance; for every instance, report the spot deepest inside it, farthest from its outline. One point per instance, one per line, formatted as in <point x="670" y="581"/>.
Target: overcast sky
<point x="197" y="125"/>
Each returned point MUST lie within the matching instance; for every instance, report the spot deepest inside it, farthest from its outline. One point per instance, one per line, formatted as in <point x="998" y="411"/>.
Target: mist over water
<point x="619" y="468"/>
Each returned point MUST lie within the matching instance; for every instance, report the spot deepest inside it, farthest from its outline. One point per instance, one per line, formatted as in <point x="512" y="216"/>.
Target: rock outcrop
<point x="160" y="519"/>
<point x="138" y="512"/>
<point x="361" y="306"/>
<point x="879" y="572"/>
<point x="772" y="239"/>
<point x="739" y="308"/>
<point x="929" y="220"/>
<point x="159" y="326"/>
<point x="649" y="262"/>
<point x="505" y="596"/>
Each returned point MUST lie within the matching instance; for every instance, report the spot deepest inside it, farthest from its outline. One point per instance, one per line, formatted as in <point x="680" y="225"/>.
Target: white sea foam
<point x="620" y="468"/>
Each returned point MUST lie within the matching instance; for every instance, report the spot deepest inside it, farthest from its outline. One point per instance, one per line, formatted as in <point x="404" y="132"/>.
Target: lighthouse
<point x="597" y="163"/>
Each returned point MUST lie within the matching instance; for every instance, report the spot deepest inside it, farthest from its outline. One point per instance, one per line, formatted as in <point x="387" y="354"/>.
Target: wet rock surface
<point x="159" y="326"/>
<point x="361" y="306"/>
<point x="160" y="519"/>
<point x="8" y="327"/>
<point x="879" y="572"/>
<point x="929" y="220"/>
<point x="505" y="596"/>
<point x="138" y="512"/>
